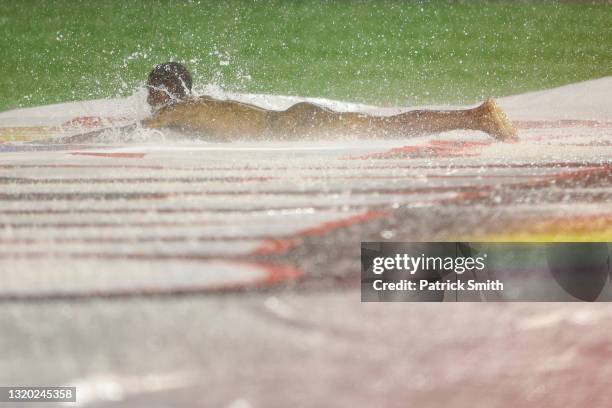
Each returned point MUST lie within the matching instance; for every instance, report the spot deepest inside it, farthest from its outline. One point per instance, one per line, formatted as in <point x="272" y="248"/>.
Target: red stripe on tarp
<point x="590" y="174"/>
<point x="346" y="222"/>
<point x="276" y="246"/>
<point x="275" y="274"/>
<point x="435" y="148"/>
<point x="283" y="245"/>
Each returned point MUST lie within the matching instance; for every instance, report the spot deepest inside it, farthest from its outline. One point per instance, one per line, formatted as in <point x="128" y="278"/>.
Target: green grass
<point x="382" y="52"/>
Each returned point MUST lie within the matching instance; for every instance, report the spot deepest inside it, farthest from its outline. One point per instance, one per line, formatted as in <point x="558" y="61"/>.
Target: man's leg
<point x="487" y="117"/>
<point x="306" y="119"/>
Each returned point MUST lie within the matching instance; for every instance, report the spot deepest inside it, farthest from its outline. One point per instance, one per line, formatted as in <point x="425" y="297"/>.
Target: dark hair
<point x="173" y="76"/>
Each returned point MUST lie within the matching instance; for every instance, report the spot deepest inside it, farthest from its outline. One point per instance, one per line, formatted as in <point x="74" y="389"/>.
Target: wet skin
<point x="224" y="119"/>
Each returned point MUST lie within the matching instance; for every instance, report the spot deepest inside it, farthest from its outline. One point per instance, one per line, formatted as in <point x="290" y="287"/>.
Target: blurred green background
<point x="381" y="52"/>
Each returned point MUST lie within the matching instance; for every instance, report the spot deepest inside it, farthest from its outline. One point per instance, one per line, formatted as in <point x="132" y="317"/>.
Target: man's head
<point x="167" y="83"/>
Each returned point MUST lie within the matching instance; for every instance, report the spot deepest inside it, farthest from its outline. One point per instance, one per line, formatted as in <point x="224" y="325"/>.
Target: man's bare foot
<point x="494" y="122"/>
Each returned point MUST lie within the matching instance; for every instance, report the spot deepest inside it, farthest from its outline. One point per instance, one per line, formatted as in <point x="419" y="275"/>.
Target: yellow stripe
<point x="579" y="229"/>
<point x="17" y="137"/>
<point x="26" y="134"/>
